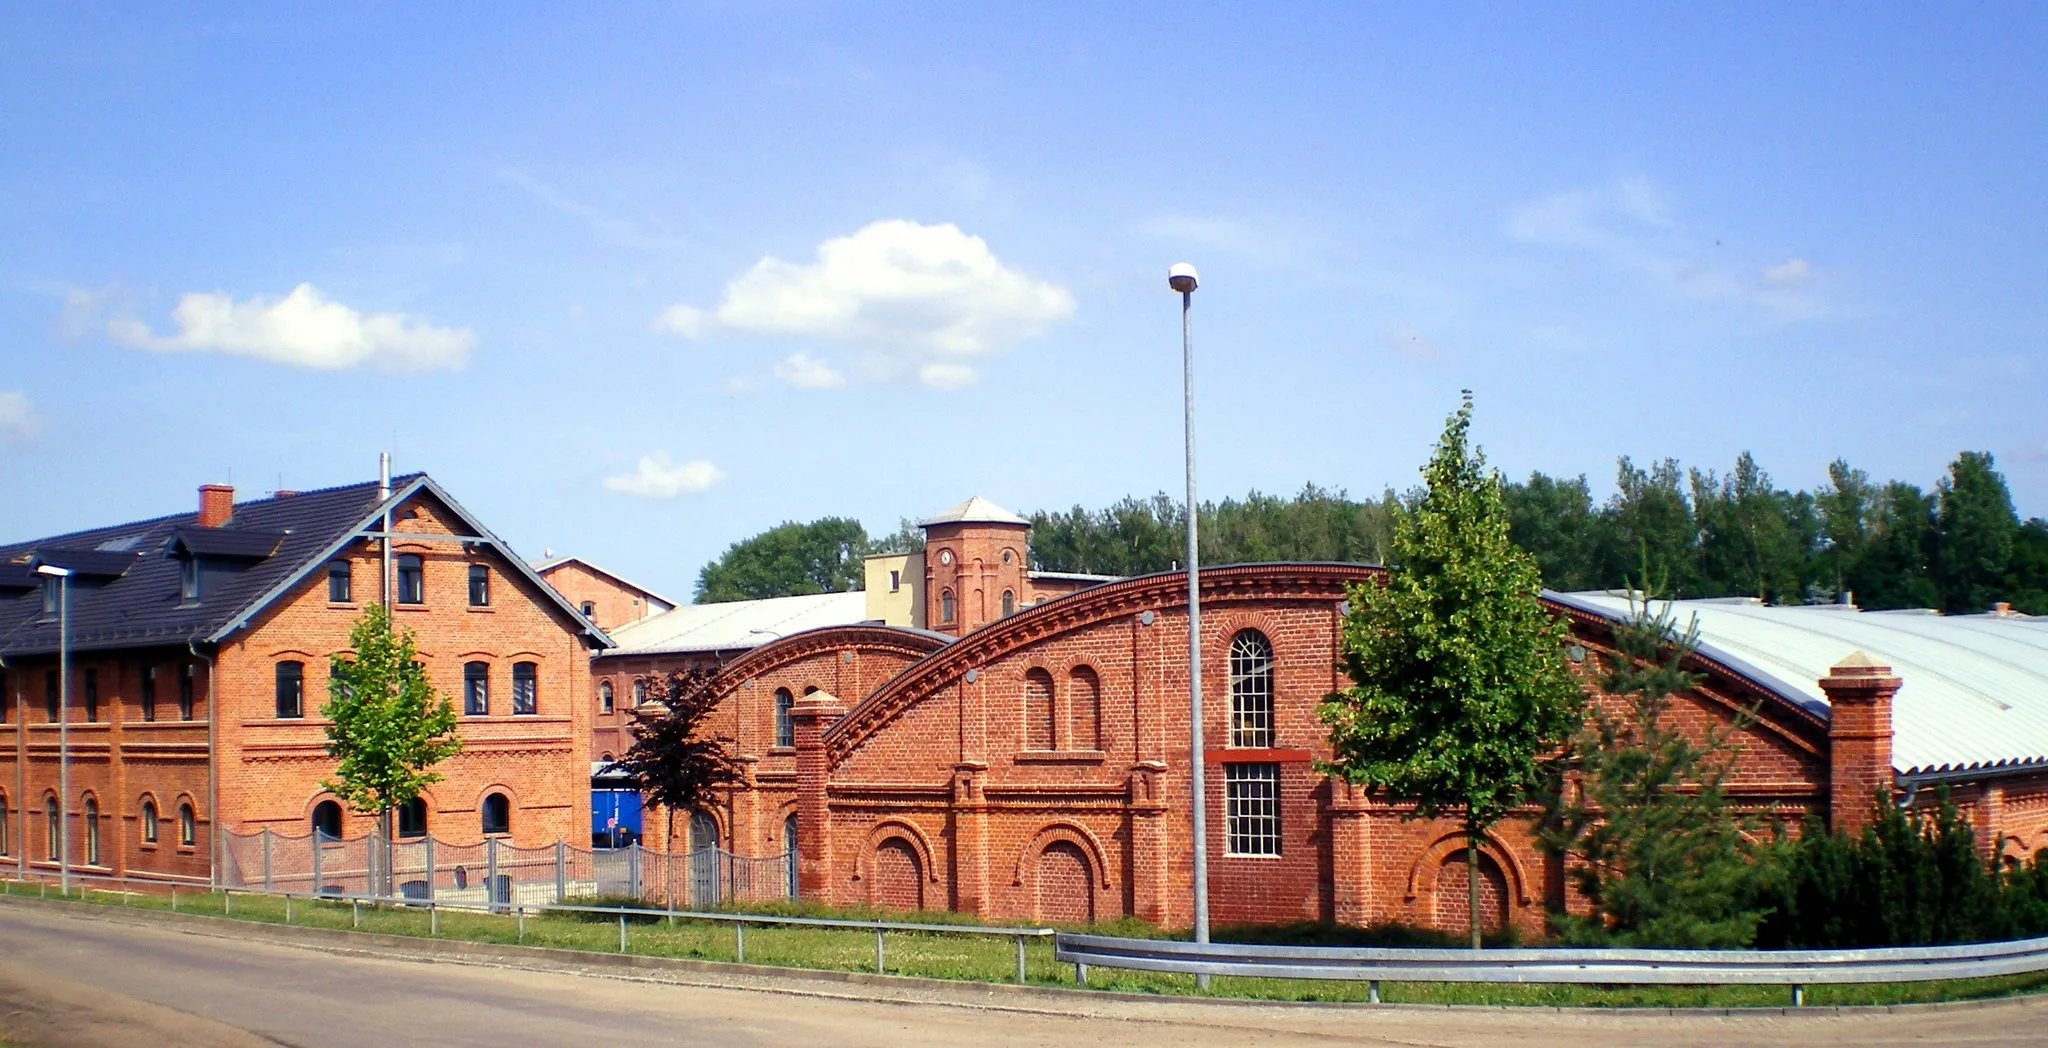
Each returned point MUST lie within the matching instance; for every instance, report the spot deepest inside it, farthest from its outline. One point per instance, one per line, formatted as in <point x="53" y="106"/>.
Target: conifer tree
<point x="1459" y="689"/>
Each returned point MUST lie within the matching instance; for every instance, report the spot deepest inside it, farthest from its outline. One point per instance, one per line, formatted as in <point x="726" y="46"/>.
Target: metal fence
<point x="497" y="873"/>
<point x="1795" y="969"/>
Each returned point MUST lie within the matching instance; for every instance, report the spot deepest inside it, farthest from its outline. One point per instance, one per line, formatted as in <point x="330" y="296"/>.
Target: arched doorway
<point x="1453" y="903"/>
<point x="703" y="859"/>
<point x="327" y="820"/>
<point x="1065" y="890"/>
<point x="898" y="876"/>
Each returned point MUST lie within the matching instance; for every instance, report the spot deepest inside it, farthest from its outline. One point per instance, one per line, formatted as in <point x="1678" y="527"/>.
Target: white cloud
<point x="18" y="419"/>
<point x="943" y="374"/>
<point x="908" y="294"/>
<point x="656" y="478"/>
<point x="807" y="372"/>
<point x="1630" y="225"/>
<point x="303" y="329"/>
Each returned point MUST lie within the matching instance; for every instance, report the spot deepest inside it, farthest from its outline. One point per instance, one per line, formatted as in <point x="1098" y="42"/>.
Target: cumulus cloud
<point x="303" y="329"/>
<point x="908" y="294"/>
<point x="806" y="372"/>
<point x="18" y="418"/>
<point x="946" y="375"/>
<point x="657" y="478"/>
<point x="1630" y="225"/>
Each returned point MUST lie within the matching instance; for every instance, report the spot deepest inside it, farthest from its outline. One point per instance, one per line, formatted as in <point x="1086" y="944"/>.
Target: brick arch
<point x="291" y="653"/>
<point x="1023" y="873"/>
<point x="911" y="645"/>
<point x="1422" y="872"/>
<point x="920" y="848"/>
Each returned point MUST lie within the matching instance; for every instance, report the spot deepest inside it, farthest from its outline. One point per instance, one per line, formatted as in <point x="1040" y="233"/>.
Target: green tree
<point x="1649" y="518"/>
<point x="388" y="727"/>
<point x="823" y="556"/>
<point x="907" y="538"/>
<point x="1459" y="687"/>
<point x="674" y="762"/>
<point x="1754" y="538"/>
<point x="1847" y="507"/>
<point x="2028" y="585"/>
<point x="1555" y="521"/>
<point x="1895" y="567"/>
<point x="1977" y="527"/>
<point x="1644" y="822"/>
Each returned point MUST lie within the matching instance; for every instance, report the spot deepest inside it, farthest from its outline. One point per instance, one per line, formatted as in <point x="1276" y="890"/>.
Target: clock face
<point x="945" y="556"/>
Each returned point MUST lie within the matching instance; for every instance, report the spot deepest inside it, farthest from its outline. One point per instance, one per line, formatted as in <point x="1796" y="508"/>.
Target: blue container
<point x="614" y="818"/>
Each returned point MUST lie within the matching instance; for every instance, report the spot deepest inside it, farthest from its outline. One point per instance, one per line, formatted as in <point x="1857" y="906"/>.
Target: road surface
<point x="93" y="978"/>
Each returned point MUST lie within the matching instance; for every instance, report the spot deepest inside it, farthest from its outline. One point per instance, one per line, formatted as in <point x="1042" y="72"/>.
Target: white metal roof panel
<point x="1975" y="689"/>
<point x="738" y="624"/>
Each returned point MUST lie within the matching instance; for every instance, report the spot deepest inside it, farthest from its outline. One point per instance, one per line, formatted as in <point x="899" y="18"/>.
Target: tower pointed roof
<point x="976" y="510"/>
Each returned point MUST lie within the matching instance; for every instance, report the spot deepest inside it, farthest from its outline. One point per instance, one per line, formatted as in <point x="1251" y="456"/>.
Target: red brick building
<point x="1033" y="766"/>
<point x="201" y="643"/>
<point x="609" y="600"/>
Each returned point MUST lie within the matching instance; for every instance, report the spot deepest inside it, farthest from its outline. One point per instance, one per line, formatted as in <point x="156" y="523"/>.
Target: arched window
<point x="1084" y="705"/>
<point x="789" y="854"/>
<point x="340" y="582"/>
<point x="412" y="579"/>
<point x="53" y="823"/>
<point x="497" y="814"/>
<point x="640" y="692"/>
<point x="945" y="605"/>
<point x="188" y="826"/>
<point x="476" y="689"/>
<point x="785" y="733"/>
<point x="291" y="690"/>
<point x="412" y="818"/>
<point x="525" y="689"/>
<point x="327" y="820"/>
<point x="1009" y="600"/>
<point x="149" y="820"/>
<point x="1038" y="711"/>
<point x="479" y="586"/>
<point x="92" y="831"/>
<point x="1251" y="690"/>
<point x="604" y="696"/>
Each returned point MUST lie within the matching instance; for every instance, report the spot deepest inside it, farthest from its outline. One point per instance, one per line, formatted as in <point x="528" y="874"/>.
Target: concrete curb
<point x="616" y="965"/>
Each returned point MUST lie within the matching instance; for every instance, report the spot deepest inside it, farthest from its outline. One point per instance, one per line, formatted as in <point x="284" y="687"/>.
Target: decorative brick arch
<point x="896" y="829"/>
<point x="1452" y="845"/>
<point x="1024" y="872"/>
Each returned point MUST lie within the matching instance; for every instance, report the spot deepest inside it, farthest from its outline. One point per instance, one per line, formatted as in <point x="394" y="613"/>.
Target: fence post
<point x="355" y="913"/>
<point x="174" y="898"/>
<point x="491" y="874"/>
<point x="1020" y="960"/>
<point x="740" y="942"/>
<point x="561" y="872"/>
<point x="633" y="869"/>
<point x="522" y="924"/>
<point x="319" y="887"/>
<point x="622" y="931"/>
<point x="430" y="868"/>
<point x="879" y="967"/>
<point x="227" y="903"/>
<point x="433" y="918"/>
<point x="287" y="907"/>
<point x="267" y="885"/>
<point x="1080" y="974"/>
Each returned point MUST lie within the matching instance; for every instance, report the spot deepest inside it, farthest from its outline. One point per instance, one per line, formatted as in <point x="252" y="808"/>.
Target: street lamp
<point x="63" y="582"/>
<point x="1181" y="277"/>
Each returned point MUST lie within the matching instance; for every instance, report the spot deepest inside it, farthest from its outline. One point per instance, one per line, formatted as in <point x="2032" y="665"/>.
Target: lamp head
<point x="53" y="571"/>
<point x="1181" y="277"/>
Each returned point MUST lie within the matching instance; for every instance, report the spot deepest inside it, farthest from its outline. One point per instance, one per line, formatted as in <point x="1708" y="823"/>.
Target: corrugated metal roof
<point x="1975" y="689"/>
<point x="738" y="624"/>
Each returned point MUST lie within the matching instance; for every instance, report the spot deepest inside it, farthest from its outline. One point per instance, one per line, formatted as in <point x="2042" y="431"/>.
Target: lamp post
<point x="62" y="579"/>
<point x="1181" y="277"/>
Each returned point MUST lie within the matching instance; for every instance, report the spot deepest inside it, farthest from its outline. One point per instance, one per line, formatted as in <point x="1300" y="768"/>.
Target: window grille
<point x="476" y="689"/>
<point x="1251" y="798"/>
<point x="525" y="689"/>
<point x="785" y="732"/>
<point x="479" y="586"/>
<point x="291" y="690"/>
<point x="1251" y="690"/>
<point x="340" y="582"/>
<point x="412" y="579"/>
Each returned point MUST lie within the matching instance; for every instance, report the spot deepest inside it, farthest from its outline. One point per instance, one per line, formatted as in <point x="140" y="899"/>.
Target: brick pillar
<point x="1350" y="855"/>
<point x="1859" y="690"/>
<point x="808" y="720"/>
<point x="1148" y="843"/>
<point x="1987" y="819"/>
<point x="970" y="839"/>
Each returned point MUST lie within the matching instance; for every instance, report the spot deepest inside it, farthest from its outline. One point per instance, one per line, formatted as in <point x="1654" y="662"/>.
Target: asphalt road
<point x="93" y="978"/>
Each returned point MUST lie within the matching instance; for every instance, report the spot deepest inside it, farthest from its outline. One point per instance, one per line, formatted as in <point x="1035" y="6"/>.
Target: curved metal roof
<point x="1975" y="691"/>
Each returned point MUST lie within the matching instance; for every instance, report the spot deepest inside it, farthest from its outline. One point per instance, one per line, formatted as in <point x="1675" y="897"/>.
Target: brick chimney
<point x="216" y="504"/>
<point x="1859" y="690"/>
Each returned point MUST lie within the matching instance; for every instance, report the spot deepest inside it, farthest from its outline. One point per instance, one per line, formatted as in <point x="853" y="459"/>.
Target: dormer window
<point x="188" y="580"/>
<point x="50" y="591"/>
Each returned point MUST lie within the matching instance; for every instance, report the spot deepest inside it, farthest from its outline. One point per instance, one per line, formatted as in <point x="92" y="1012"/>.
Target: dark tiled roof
<point x="262" y="545"/>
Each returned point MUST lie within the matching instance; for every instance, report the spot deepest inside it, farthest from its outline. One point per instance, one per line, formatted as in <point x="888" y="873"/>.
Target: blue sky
<point x="636" y="282"/>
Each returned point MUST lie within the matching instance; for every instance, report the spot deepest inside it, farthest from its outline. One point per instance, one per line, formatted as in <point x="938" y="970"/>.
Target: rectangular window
<point x="5" y="696"/>
<point x="895" y="581"/>
<point x="785" y="731"/>
<point x="479" y="586"/>
<point x="291" y="690"/>
<point x="525" y="690"/>
<point x="412" y="579"/>
<point x="149" y="693"/>
<point x="92" y="696"/>
<point x="340" y="582"/>
<point x="1251" y="803"/>
<point x="51" y="688"/>
<point x="188" y="580"/>
<point x="476" y="689"/>
<point x="185" y="692"/>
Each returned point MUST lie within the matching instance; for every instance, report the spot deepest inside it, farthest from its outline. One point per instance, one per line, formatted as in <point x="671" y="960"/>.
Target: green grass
<point x="939" y="955"/>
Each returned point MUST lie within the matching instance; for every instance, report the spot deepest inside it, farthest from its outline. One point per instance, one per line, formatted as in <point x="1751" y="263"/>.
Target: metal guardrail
<point x="1793" y="968"/>
<point x="518" y="912"/>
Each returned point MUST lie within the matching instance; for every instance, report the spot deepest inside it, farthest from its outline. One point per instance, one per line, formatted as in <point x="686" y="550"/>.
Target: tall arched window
<point x="789" y="854"/>
<point x="945" y="605"/>
<point x="92" y="831"/>
<point x="497" y="814"/>
<point x="1084" y="703"/>
<point x="476" y="689"/>
<point x="149" y="820"/>
<point x="1009" y="599"/>
<point x="291" y="690"/>
<point x="785" y="733"/>
<point x="1038" y="710"/>
<point x="412" y="579"/>
<point x="53" y="826"/>
<point x="604" y="696"/>
<point x="1251" y="690"/>
<point x="327" y="820"/>
<point x="640" y="692"/>
<point x="188" y="826"/>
